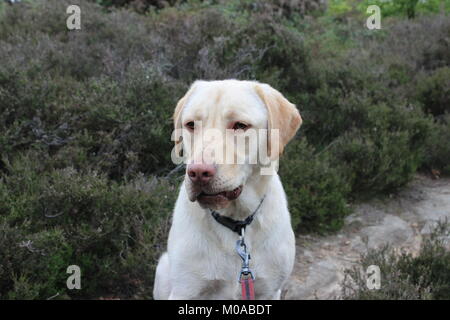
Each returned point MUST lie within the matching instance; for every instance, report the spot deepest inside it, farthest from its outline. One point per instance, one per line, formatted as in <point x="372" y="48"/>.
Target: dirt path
<point x="401" y="221"/>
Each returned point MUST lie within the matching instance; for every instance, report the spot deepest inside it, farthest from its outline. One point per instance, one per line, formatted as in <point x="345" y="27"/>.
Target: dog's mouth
<point x="221" y="196"/>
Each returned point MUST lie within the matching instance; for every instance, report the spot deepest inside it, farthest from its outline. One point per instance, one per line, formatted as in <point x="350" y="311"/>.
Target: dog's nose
<point x="201" y="173"/>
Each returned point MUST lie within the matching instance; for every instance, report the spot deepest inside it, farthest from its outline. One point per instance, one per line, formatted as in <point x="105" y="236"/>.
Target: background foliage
<point x="85" y="170"/>
<point x="405" y="276"/>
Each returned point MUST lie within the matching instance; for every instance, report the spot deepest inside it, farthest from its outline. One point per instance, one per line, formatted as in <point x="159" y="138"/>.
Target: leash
<point x="246" y="277"/>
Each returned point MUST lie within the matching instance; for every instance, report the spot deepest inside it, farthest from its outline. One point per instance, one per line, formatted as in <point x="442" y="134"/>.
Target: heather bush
<point x="437" y="156"/>
<point x="139" y="5"/>
<point x="407" y="8"/>
<point x="196" y="47"/>
<point x="121" y="128"/>
<point x="383" y="155"/>
<point x="317" y="197"/>
<point x="434" y="92"/>
<point x="285" y="8"/>
<point x="78" y="98"/>
<point x="437" y="54"/>
<point x="405" y="276"/>
<point x="400" y="8"/>
<point x="113" y="232"/>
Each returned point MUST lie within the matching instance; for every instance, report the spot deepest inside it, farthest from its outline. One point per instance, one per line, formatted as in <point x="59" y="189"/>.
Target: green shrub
<point x="434" y="92"/>
<point x="339" y="7"/>
<point x="373" y="132"/>
<point x="405" y="276"/>
<point x="383" y="155"/>
<point x="315" y="189"/>
<point x="140" y="6"/>
<point x="437" y="54"/>
<point x="78" y="100"/>
<point x="276" y="7"/>
<point x="113" y="232"/>
<point x="196" y="47"/>
<point x="399" y="8"/>
<point x="285" y="60"/>
<point x="121" y="128"/>
<point x="438" y="147"/>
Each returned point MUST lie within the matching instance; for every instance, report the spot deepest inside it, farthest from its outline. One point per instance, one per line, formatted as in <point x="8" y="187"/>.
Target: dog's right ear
<point x="178" y="125"/>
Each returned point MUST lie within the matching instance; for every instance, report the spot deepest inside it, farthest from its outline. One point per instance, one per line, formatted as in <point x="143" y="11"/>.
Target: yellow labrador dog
<point x="221" y="197"/>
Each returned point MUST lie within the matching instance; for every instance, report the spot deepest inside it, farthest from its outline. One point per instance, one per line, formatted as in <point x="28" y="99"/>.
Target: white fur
<point x="201" y="261"/>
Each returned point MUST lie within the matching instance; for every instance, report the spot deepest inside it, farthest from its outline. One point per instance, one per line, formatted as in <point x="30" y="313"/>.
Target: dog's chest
<point x="231" y="290"/>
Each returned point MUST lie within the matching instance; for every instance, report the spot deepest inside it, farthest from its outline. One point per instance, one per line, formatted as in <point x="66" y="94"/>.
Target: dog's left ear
<point x="282" y="115"/>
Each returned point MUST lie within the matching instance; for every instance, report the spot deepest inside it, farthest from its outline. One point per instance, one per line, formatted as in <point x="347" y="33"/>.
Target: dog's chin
<point x="216" y="201"/>
<point x="213" y="202"/>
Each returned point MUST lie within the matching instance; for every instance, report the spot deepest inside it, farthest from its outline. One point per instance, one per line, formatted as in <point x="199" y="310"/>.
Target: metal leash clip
<point x="241" y="249"/>
<point x="246" y="277"/>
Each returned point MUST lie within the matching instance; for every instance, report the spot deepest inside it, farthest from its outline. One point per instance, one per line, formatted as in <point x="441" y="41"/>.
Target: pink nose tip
<point x="201" y="173"/>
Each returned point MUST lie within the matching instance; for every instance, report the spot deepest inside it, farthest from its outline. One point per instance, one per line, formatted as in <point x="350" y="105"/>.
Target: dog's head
<point x="227" y="131"/>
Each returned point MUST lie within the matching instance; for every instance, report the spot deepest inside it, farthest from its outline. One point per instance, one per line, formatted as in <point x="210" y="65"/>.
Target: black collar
<point x="235" y="225"/>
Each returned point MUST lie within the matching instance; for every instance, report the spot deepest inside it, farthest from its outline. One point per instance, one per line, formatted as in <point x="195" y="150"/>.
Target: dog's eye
<point x="240" y="126"/>
<point x="190" y="125"/>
